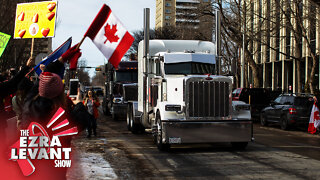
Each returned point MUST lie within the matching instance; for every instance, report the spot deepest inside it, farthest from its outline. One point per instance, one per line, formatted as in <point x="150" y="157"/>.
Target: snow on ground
<point x="92" y="166"/>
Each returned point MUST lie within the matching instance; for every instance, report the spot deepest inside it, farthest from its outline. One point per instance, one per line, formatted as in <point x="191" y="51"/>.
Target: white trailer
<point x="181" y="100"/>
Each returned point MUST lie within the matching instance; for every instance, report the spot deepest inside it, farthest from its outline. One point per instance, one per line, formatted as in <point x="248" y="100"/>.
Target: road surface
<point x="118" y="154"/>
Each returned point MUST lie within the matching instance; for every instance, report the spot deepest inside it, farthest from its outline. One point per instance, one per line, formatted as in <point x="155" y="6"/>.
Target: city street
<point x="118" y="154"/>
<point x="208" y="89"/>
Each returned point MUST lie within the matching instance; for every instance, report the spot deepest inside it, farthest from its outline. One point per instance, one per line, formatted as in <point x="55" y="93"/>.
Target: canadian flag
<point x="314" y="119"/>
<point x="109" y="35"/>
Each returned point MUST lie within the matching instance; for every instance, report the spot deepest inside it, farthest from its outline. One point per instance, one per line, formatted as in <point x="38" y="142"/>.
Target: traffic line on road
<point x="296" y="147"/>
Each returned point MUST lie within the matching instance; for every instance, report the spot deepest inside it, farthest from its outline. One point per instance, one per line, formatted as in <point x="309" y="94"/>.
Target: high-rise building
<point x="183" y="13"/>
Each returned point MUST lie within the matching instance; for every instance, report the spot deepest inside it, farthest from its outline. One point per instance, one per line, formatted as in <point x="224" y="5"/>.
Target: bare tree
<point x="138" y="36"/>
<point x="296" y="16"/>
<point x="98" y="79"/>
<point x="82" y="73"/>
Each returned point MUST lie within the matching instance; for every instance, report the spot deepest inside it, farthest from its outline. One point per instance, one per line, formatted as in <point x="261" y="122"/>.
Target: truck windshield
<point x="189" y="68"/>
<point x="126" y="76"/>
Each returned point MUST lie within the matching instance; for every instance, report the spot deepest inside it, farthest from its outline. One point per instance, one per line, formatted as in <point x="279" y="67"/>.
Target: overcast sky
<point x="74" y="18"/>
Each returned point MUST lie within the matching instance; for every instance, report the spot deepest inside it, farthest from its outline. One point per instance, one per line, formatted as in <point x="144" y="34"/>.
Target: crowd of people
<point x="29" y="99"/>
<point x="37" y="99"/>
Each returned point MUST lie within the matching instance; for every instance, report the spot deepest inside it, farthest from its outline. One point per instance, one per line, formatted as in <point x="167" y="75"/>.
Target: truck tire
<point x="239" y="145"/>
<point x="106" y="110"/>
<point x="133" y="126"/>
<point x="161" y="146"/>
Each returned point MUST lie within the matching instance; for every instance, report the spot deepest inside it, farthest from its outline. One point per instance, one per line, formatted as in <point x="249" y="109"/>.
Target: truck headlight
<point x="118" y="100"/>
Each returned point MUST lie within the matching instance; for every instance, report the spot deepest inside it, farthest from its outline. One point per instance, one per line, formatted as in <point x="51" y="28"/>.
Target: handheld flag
<point x="314" y="122"/>
<point x="109" y="35"/>
<point x="54" y="56"/>
<point x="4" y="39"/>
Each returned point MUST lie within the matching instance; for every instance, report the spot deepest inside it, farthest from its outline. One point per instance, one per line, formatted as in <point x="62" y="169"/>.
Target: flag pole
<point x="32" y="44"/>
<point x="80" y="42"/>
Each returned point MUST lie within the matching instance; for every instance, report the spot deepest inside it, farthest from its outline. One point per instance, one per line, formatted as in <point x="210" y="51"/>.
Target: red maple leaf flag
<point x="109" y="35"/>
<point x="314" y="122"/>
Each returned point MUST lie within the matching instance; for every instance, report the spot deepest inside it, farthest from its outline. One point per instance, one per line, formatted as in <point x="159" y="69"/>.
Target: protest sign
<point x="4" y="39"/>
<point x="35" y="20"/>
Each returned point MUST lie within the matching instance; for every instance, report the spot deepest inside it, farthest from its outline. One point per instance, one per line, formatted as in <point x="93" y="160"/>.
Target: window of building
<point x="205" y="0"/>
<point x="168" y="24"/>
<point x="168" y="11"/>
<point x="168" y="4"/>
<point x="168" y="17"/>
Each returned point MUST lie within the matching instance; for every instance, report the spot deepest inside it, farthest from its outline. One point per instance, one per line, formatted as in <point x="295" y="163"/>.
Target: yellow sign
<point x="4" y="39"/>
<point x="35" y="20"/>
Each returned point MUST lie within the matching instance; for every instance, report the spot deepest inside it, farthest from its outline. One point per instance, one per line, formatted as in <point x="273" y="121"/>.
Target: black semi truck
<point x="114" y="102"/>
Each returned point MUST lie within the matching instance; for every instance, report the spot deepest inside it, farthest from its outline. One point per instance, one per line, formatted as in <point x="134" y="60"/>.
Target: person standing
<point x="91" y="102"/>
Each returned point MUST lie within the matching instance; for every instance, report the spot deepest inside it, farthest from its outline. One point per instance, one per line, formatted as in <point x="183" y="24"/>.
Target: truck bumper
<point x="120" y="110"/>
<point x="207" y="132"/>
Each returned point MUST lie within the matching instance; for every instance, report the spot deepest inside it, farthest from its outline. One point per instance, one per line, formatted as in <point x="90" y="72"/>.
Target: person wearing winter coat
<point x="91" y="102"/>
<point x="41" y="103"/>
<point x="18" y="100"/>
<point x="10" y="87"/>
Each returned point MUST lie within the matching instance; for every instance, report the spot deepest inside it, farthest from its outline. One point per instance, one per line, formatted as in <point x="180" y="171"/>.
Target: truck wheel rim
<point x="128" y="119"/>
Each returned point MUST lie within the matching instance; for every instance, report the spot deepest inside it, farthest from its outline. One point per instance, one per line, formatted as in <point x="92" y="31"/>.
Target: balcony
<point x="185" y="7"/>
<point x="188" y="20"/>
<point x="188" y="1"/>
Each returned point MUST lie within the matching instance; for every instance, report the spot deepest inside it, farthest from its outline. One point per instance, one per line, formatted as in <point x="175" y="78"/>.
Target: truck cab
<point x="182" y="100"/>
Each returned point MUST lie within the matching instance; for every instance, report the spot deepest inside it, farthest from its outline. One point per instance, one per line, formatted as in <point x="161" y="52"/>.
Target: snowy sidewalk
<point x="88" y="161"/>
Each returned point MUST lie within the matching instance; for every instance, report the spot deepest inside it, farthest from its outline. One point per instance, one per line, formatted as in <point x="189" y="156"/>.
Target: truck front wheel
<point x="161" y="146"/>
<point x="105" y="108"/>
<point x="133" y="126"/>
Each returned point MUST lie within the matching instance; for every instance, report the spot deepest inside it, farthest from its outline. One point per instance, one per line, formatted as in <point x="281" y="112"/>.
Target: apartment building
<point x="182" y="13"/>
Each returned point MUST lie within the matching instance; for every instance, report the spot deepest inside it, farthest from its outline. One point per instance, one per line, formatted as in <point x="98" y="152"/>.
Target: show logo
<point x="35" y="143"/>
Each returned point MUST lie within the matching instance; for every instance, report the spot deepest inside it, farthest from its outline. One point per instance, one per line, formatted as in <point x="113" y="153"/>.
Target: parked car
<point x="288" y="110"/>
<point x="259" y="99"/>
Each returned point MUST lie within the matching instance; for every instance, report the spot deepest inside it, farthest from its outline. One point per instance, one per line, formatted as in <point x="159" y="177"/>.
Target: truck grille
<point x="208" y="99"/>
<point x="130" y="92"/>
